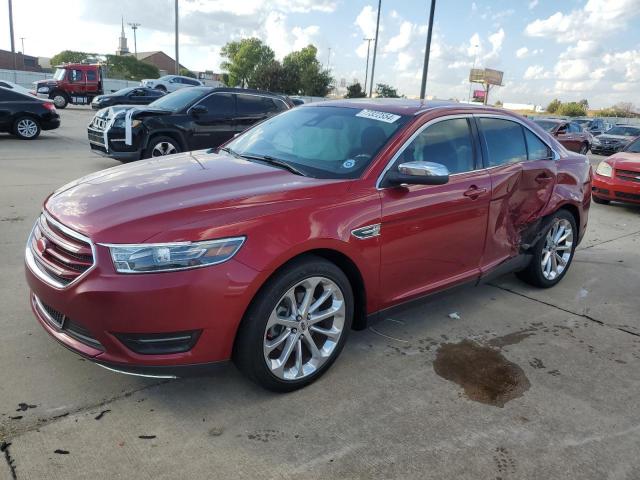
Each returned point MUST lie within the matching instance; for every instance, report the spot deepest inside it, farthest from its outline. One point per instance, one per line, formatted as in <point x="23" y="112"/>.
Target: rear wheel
<point x="161" y="146"/>
<point x="553" y="253"/>
<point x="26" y="128"/>
<point x="162" y="88"/>
<point x="296" y="326"/>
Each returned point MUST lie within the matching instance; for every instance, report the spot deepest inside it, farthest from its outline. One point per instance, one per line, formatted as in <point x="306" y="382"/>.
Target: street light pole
<point x="366" y="72"/>
<point x="177" y="52"/>
<point x="13" y="46"/>
<point x="427" y="51"/>
<point x="375" y="50"/>
<point x="134" y="26"/>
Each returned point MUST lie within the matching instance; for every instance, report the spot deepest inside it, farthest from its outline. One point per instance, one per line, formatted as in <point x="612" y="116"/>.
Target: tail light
<point x="49" y="106"/>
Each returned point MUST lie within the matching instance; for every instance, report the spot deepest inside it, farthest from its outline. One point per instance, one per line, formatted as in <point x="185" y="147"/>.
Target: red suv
<point x="270" y="249"/>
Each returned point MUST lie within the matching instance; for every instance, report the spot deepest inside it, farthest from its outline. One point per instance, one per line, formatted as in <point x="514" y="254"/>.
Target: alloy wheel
<point x="304" y="328"/>
<point x="59" y="101"/>
<point x="27" y="128"/>
<point x="557" y="250"/>
<point x="163" y="148"/>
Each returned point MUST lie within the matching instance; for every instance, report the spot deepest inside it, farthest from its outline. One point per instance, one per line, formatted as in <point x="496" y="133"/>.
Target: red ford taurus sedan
<point x="618" y="177"/>
<point x="270" y="249"/>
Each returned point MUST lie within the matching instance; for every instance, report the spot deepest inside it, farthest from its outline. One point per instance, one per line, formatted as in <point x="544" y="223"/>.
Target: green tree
<point x="572" y="109"/>
<point x="498" y="104"/>
<point x="585" y="103"/>
<point x="129" y="68"/>
<point x="386" y="91"/>
<point x="268" y="76"/>
<point x="185" y="72"/>
<point x="554" y="106"/>
<point x="243" y="58"/>
<point x="304" y="73"/>
<point x="355" y="91"/>
<point x="70" y="56"/>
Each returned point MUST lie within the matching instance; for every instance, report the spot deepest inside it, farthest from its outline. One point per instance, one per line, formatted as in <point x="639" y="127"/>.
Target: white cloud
<point x="582" y="49"/>
<point x="595" y="20"/>
<point x="404" y="61"/>
<point x="401" y="40"/>
<point x="522" y="52"/>
<point x="576" y="69"/>
<point x="536" y="72"/>
<point x="283" y="39"/>
<point x="366" y="20"/>
<point x="533" y="4"/>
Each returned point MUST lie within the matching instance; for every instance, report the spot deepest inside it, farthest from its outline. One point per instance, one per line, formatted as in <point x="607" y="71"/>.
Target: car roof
<point x="266" y="93"/>
<point x="401" y="106"/>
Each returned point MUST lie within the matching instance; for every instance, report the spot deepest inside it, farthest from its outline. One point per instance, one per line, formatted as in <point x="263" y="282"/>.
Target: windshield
<point x="178" y="100"/>
<point x="547" y="124"/>
<point x="59" y="75"/>
<point x="633" y="147"/>
<point x="322" y="142"/>
<point x="625" y="131"/>
<point x="124" y="91"/>
<point x="583" y="122"/>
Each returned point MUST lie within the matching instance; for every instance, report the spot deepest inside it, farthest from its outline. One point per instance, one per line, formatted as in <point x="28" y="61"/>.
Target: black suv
<point x="188" y="119"/>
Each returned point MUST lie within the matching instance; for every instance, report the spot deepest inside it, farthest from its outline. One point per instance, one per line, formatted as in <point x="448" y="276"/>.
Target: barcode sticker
<point x="376" y="115"/>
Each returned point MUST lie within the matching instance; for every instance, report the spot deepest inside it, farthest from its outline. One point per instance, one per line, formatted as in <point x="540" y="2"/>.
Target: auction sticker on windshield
<point x="376" y="115"/>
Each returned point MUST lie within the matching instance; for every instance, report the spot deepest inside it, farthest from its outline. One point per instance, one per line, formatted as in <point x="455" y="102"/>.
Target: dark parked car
<point x="570" y="134"/>
<point x="271" y="248"/>
<point x="188" y="119"/>
<point x="595" y="126"/>
<point x="615" y="139"/>
<point x="26" y="115"/>
<point x="127" y="96"/>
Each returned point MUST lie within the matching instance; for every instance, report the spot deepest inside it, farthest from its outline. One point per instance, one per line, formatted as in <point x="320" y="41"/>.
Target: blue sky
<point x="571" y="50"/>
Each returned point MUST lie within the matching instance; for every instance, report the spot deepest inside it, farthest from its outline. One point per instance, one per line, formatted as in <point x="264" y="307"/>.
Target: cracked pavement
<point x="380" y="412"/>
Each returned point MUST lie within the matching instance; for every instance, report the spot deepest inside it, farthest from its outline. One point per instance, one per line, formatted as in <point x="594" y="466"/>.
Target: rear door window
<point x="504" y="140"/>
<point x="536" y="148"/>
<point x="255" y="105"/>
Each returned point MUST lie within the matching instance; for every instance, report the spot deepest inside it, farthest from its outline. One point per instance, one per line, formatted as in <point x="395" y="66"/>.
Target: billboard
<point x="486" y="75"/>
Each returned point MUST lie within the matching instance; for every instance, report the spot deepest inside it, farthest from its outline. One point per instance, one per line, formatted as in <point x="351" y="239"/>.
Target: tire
<point x="162" y="88"/>
<point x="600" y="201"/>
<point x="160" y="146"/>
<point x="60" y="100"/>
<point x="584" y="149"/>
<point x="270" y="328"/>
<point x="26" y="128"/>
<point x="548" y="274"/>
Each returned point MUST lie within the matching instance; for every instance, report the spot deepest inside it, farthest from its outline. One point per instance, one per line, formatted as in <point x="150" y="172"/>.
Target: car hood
<point x="625" y="161"/>
<point x="132" y="203"/>
<point x="605" y="136"/>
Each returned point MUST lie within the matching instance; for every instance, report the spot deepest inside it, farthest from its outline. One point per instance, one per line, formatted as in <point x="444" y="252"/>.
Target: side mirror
<point x="198" y="110"/>
<point x="417" y="173"/>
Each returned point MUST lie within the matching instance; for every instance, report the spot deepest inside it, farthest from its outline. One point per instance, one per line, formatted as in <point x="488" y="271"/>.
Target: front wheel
<point x="296" y="326"/>
<point x="553" y="253"/>
<point x="60" y="100"/>
<point x="26" y="128"/>
<point x="161" y="146"/>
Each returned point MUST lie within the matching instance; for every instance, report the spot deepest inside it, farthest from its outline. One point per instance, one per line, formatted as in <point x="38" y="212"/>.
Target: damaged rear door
<point x="523" y="175"/>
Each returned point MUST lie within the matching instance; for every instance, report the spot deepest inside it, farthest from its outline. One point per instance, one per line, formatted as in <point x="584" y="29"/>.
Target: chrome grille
<point x="57" y="254"/>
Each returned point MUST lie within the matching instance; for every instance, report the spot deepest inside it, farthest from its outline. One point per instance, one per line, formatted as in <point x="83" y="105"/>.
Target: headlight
<point x="119" y="123"/>
<point x="596" y="141"/>
<point x="604" y="169"/>
<point x="168" y="257"/>
<point x="43" y="90"/>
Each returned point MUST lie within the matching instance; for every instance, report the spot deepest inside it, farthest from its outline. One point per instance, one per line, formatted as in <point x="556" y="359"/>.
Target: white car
<point x="15" y="87"/>
<point x="171" y="83"/>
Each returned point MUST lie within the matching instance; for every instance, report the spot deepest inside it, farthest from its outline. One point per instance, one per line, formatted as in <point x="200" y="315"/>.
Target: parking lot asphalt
<point x="570" y="358"/>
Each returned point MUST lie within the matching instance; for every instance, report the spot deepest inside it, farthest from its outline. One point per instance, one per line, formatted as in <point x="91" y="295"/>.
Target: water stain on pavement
<point x="484" y="373"/>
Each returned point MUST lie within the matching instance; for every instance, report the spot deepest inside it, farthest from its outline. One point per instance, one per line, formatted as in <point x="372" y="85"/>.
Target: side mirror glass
<point x="417" y="173"/>
<point x="198" y="110"/>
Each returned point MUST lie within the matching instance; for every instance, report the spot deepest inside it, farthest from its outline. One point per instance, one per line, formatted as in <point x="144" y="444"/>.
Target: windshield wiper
<point x="229" y="151"/>
<point x="266" y="159"/>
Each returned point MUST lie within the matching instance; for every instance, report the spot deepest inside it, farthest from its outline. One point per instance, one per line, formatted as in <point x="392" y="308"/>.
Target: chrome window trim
<point x="240" y="93"/>
<point x="44" y="276"/>
<point x="556" y="155"/>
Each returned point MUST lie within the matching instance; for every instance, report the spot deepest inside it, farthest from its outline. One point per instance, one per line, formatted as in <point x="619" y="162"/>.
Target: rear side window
<point x="191" y="82"/>
<point x="10" y="96"/>
<point x="574" y="128"/>
<point x="505" y="141"/>
<point x="91" y="76"/>
<point x="220" y="104"/>
<point x="253" y="105"/>
<point x="536" y="148"/>
<point x="448" y="143"/>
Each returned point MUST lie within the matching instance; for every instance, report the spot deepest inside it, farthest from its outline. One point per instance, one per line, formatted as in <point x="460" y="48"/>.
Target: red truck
<point x="75" y="83"/>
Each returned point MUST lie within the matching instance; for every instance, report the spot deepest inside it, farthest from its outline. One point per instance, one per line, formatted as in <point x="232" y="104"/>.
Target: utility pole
<point x="134" y="26"/>
<point x="427" y="51"/>
<point x="13" y="46"/>
<point x="177" y="52"/>
<point x="366" y="72"/>
<point x="22" y="40"/>
<point x="375" y="49"/>
<point x="329" y="59"/>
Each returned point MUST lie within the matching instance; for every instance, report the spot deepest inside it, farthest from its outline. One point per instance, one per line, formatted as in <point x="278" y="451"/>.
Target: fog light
<point x="159" y="343"/>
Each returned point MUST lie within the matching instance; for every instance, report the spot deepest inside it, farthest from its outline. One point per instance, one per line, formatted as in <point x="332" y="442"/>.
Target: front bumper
<point x="104" y="305"/>
<point x="117" y="148"/>
<point x="605" y="149"/>
<point x="611" y="188"/>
